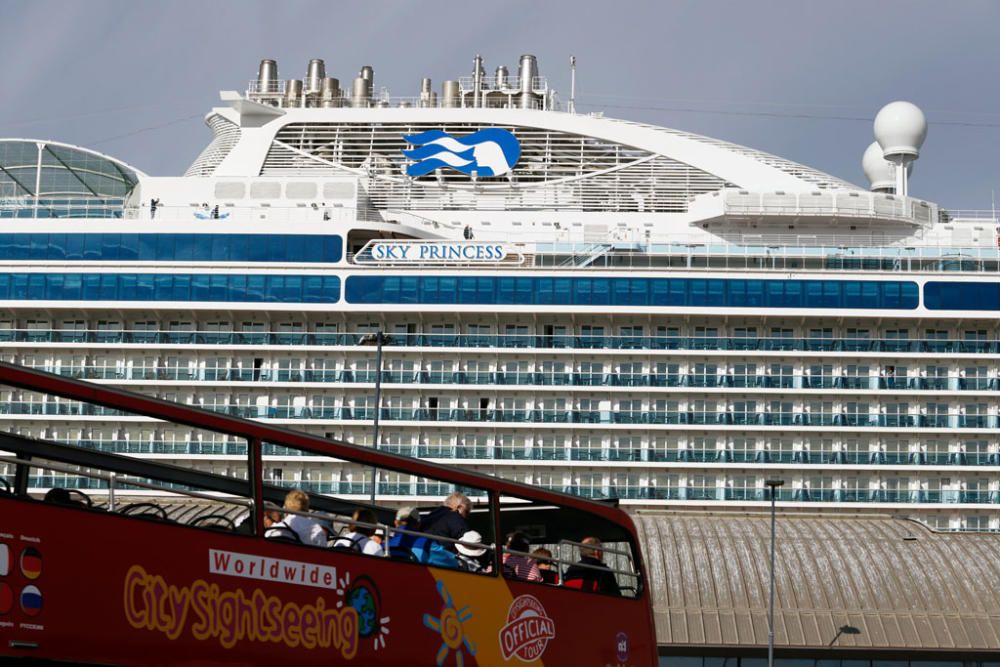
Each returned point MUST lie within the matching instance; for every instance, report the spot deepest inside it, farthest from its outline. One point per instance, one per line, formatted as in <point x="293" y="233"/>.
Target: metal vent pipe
<point x="267" y="76"/>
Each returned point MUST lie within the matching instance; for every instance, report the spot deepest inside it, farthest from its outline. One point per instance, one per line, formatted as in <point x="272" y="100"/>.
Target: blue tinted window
<point x="169" y="287"/>
<point x="172" y="247"/>
<point x="961" y="296"/>
<point x="600" y="291"/>
<point x="129" y="250"/>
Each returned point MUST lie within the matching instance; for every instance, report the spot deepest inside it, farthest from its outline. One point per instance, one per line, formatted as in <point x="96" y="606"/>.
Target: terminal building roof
<point x="853" y="583"/>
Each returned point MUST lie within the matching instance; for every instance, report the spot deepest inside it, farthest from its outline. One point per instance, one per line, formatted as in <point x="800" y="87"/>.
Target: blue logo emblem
<point x="489" y="152"/>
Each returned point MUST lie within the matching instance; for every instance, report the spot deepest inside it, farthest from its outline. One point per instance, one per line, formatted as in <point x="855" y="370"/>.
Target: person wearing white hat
<point x="471" y="557"/>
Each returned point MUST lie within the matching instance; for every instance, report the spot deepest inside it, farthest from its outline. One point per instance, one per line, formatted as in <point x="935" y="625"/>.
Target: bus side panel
<point x="94" y="587"/>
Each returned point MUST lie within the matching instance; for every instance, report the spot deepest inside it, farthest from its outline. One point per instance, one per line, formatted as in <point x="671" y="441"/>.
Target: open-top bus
<point x="141" y="562"/>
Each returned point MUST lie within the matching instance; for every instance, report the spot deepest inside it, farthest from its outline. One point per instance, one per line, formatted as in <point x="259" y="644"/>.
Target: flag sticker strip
<point x="31" y="600"/>
<point x="31" y="563"/>
<point x="6" y="598"/>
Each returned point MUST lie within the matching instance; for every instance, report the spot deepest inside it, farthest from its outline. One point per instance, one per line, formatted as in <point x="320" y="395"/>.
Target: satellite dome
<point x="900" y="129"/>
<point x="881" y="173"/>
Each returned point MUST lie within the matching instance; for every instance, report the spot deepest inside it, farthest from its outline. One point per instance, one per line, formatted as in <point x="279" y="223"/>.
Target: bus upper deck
<point x="110" y="559"/>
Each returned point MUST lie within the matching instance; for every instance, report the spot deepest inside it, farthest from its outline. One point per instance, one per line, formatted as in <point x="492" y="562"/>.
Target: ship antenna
<point x="572" y="84"/>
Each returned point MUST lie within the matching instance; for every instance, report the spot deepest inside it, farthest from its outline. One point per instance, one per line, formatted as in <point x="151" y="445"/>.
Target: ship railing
<point x="754" y="254"/>
<point x="63" y="207"/>
<point x="719" y="417"/>
<point x="112" y="484"/>
<point x="736" y="203"/>
<point x="589" y="341"/>
<point x="695" y="380"/>
<point x="721" y="379"/>
<point x="211" y="212"/>
<point x="956" y="456"/>
<point x="509" y="96"/>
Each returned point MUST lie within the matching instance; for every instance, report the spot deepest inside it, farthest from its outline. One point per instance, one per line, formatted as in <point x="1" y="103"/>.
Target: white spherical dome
<point x="881" y="173"/>
<point x="900" y="129"/>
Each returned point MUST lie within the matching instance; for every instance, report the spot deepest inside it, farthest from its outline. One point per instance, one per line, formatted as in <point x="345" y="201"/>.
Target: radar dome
<point x="880" y="172"/>
<point x="900" y="129"/>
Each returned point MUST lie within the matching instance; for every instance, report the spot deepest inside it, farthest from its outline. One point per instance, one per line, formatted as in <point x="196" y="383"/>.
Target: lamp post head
<point x="773" y="483"/>
<point x="377" y="338"/>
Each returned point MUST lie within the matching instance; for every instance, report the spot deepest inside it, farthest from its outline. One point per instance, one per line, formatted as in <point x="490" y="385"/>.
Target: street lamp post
<point x="377" y="338"/>
<point x="773" y="485"/>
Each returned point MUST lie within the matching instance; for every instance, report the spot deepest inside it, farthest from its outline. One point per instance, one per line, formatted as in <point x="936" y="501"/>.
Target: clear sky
<point x="797" y="78"/>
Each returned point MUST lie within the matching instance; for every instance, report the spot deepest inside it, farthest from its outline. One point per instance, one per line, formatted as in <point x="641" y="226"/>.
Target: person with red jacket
<point x="591" y="574"/>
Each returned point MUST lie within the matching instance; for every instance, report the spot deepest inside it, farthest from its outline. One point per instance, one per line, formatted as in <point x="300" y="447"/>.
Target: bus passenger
<point x="518" y="565"/>
<point x="474" y="559"/>
<point x="359" y="537"/>
<point x="598" y="577"/>
<point x="417" y="548"/>
<point x="548" y="569"/>
<point x="272" y="515"/>
<point x="309" y="530"/>
<point x="449" y="520"/>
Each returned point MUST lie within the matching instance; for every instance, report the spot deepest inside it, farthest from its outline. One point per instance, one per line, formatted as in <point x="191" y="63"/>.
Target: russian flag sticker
<point x="4" y="560"/>
<point x="6" y="598"/>
<point x="31" y="600"/>
<point x="31" y="563"/>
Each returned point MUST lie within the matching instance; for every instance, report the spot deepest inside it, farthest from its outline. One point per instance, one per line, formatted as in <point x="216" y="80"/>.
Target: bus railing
<point x="115" y="482"/>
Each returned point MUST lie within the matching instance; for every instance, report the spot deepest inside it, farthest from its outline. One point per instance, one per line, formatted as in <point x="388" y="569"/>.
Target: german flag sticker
<point x="31" y="601"/>
<point x="4" y="560"/>
<point x="6" y="598"/>
<point x="31" y="563"/>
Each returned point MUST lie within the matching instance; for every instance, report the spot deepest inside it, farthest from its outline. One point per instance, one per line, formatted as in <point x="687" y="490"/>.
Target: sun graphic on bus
<point x="449" y="625"/>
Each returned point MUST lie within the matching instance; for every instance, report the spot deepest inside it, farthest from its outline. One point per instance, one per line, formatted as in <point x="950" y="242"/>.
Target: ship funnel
<point x="267" y="76"/>
<point x="359" y="92"/>
<point x="329" y="92"/>
<point x="315" y="75"/>
<point x="293" y="93"/>
<point x="368" y="74"/>
<point x="501" y="77"/>
<point x="477" y="80"/>
<point x="450" y="94"/>
<point x="528" y="72"/>
<point x="426" y="92"/>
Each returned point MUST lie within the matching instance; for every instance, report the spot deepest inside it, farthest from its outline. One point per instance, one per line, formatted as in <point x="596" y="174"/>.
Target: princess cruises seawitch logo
<point x="489" y="152"/>
<point x="528" y="630"/>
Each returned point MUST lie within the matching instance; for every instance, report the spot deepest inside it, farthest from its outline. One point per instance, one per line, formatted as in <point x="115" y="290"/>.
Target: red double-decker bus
<point x="110" y="559"/>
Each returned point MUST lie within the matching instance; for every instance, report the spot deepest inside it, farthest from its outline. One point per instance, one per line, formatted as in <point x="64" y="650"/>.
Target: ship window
<point x="230" y="190"/>
<point x="303" y="190"/>
<point x="265" y="190"/>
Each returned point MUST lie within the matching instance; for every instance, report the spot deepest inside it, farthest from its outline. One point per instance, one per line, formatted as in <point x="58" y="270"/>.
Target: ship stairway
<point x="588" y="255"/>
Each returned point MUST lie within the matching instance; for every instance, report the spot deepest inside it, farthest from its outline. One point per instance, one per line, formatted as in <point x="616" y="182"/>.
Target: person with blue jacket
<point x="405" y="544"/>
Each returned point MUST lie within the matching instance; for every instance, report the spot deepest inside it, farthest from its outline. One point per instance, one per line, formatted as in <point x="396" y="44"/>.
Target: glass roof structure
<point x="42" y="169"/>
<point x="47" y="179"/>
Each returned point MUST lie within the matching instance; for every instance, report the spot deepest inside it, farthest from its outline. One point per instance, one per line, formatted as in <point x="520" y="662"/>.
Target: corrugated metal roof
<point x="859" y="582"/>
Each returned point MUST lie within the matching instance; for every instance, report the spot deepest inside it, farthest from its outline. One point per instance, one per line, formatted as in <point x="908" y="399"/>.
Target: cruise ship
<point x="484" y="277"/>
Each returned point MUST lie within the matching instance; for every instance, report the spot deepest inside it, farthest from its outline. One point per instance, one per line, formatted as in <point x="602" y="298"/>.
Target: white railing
<point x="491" y="97"/>
<point x="988" y="216"/>
<point x="826" y="204"/>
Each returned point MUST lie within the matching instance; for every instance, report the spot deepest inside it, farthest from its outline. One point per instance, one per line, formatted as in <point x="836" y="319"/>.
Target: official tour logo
<point x="489" y="152"/>
<point x="622" y="646"/>
<point x="528" y="630"/>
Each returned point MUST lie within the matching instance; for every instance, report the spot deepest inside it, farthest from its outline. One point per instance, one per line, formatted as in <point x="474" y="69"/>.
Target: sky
<point x="798" y="78"/>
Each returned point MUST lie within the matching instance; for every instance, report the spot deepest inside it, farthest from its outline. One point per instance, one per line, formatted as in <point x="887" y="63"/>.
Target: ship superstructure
<point x="578" y="302"/>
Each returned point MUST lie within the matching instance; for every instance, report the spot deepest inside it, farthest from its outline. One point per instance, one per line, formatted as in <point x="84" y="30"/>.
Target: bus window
<point x="567" y="547"/>
<point x="326" y="502"/>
